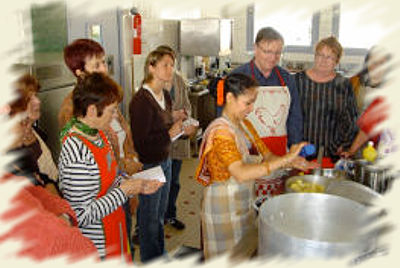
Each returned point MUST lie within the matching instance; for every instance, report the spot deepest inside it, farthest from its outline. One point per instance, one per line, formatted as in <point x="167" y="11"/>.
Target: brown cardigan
<point x="150" y="125"/>
<point x="181" y="147"/>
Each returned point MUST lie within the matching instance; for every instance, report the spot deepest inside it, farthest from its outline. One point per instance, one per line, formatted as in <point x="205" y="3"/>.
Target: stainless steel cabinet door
<point x="50" y="106"/>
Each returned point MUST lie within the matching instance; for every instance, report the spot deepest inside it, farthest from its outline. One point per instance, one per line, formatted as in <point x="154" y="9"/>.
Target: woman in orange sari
<point x="228" y="171"/>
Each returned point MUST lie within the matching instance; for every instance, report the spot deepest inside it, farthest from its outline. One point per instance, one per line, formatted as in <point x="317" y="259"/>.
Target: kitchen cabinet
<point x="205" y="37"/>
<point x="203" y="107"/>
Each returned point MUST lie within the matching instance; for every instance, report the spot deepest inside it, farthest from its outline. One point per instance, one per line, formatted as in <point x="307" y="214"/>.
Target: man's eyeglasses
<point x="270" y="52"/>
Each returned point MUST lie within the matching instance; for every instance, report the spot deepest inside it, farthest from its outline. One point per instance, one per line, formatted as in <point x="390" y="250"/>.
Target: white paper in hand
<point x="190" y="121"/>
<point x="177" y="136"/>
<point x="155" y="173"/>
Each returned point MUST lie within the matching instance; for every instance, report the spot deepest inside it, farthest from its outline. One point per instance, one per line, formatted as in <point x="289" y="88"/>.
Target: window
<point x="96" y="33"/>
<point x="296" y="29"/>
<point x="357" y="29"/>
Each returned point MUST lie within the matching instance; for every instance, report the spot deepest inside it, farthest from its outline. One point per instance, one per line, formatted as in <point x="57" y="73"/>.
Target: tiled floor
<point x="188" y="209"/>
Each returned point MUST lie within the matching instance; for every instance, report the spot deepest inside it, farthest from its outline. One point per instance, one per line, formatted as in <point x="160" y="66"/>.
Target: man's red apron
<point x="114" y="224"/>
<point x="269" y="118"/>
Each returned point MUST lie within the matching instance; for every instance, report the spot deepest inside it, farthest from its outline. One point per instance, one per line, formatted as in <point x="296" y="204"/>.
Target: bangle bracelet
<point x="266" y="164"/>
<point x="285" y="161"/>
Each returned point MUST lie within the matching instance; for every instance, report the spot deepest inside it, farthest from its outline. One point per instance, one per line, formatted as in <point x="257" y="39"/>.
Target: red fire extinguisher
<point x="137" y="34"/>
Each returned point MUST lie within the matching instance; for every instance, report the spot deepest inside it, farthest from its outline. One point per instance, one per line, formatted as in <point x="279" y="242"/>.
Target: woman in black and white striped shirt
<point x="88" y="168"/>
<point x="328" y="104"/>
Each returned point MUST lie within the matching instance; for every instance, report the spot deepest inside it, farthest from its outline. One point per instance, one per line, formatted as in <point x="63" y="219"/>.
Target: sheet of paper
<point x="186" y="123"/>
<point x="190" y="121"/>
<point x="155" y="173"/>
<point x="177" y="136"/>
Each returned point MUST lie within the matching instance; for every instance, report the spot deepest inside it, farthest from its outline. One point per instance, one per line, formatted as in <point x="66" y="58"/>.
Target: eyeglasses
<point x="325" y="57"/>
<point x="270" y="52"/>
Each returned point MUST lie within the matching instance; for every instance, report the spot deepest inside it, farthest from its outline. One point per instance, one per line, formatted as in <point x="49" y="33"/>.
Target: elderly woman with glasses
<point x="328" y="103"/>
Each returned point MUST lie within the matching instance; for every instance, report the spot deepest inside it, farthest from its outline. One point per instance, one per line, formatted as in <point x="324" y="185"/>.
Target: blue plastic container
<point x="307" y="150"/>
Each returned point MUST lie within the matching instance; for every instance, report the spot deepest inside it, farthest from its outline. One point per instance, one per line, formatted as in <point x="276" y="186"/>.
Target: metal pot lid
<point x="376" y="168"/>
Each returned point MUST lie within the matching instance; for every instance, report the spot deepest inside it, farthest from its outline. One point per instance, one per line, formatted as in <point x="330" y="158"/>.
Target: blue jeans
<point x="150" y="217"/>
<point x="128" y="217"/>
<point x="174" y="189"/>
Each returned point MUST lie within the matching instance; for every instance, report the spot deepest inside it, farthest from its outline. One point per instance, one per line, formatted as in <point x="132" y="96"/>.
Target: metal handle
<point x="317" y="171"/>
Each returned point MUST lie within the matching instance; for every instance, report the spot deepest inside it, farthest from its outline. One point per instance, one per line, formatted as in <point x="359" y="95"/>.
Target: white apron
<point x="269" y="117"/>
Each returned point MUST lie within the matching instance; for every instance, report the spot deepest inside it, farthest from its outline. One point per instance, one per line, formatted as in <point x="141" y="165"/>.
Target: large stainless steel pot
<point x="331" y="173"/>
<point x="311" y="225"/>
<point x="353" y="190"/>
<point x="315" y="179"/>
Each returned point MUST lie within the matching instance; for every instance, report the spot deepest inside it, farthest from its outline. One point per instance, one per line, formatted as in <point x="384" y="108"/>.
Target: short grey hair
<point x="268" y="34"/>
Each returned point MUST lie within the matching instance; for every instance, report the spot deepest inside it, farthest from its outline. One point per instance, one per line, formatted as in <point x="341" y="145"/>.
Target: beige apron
<point x="227" y="209"/>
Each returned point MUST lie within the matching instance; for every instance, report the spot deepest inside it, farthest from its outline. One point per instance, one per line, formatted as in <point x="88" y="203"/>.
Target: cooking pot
<point x="359" y="170"/>
<point x="344" y="188"/>
<point x="315" y="179"/>
<point x="331" y="173"/>
<point x="377" y="178"/>
<point x="299" y="225"/>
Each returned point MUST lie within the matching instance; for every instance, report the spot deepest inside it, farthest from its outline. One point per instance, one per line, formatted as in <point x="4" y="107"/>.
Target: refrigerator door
<point x="50" y="106"/>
